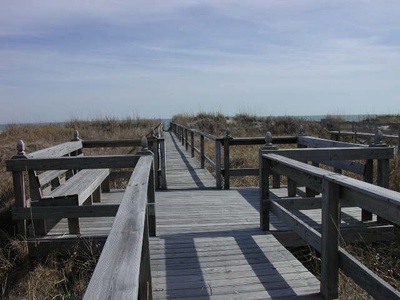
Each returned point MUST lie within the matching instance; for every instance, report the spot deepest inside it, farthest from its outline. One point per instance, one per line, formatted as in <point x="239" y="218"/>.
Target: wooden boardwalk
<point x="209" y="245"/>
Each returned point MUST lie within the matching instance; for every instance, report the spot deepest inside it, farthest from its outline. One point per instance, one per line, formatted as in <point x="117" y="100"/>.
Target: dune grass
<point x="59" y="277"/>
<point x="55" y="277"/>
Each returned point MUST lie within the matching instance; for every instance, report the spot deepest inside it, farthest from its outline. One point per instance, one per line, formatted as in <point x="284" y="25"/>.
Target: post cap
<point x="144" y="143"/>
<point x="378" y="137"/>
<point x="76" y="136"/>
<point x="21" y="147"/>
<point x="268" y="139"/>
<point x="301" y="130"/>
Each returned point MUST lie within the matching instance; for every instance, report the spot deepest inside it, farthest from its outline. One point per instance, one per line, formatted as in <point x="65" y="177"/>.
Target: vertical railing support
<point x="145" y="282"/>
<point x="202" y="151"/>
<point x="276" y="178"/>
<point x="368" y="177"/>
<point x="383" y="170"/>
<point x="192" y="143"/>
<point x="265" y="166"/>
<point x="152" y="186"/>
<point x="163" y="160"/>
<point x="186" y="139"/>
<point x="19" y="188"/>
<point x="226" y="159"/>
<point x="218" y="163"/>
<point x="265" y="172"/>
<point x="330" y="240"/>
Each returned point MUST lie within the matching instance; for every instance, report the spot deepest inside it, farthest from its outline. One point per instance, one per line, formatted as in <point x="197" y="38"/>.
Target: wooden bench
<point x="62" y="187"/>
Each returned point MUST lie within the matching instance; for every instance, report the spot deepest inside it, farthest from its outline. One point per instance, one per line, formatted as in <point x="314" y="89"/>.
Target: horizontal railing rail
<point x="42" y="166"/>
<point x="187" y="137"/>
<point x="156" y="145"/>
<point x="337" y="190"/>
<point x="221" y="164"/>
<point x="388" y="131"/>
<point x="123" y="269"/>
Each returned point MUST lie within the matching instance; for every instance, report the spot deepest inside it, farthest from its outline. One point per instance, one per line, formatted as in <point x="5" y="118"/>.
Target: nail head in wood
<point x="21" y="147"/>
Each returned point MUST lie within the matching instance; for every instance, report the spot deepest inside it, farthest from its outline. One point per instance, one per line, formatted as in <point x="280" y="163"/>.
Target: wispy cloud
<point x="210" y="52"/>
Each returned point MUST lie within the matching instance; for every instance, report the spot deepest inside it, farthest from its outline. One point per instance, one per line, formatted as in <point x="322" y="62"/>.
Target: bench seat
<point x="83" y="185"/>
<point x="81" y="189"/>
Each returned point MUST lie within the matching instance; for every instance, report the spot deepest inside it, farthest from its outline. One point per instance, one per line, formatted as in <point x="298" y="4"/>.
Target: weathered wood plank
<point x="117" y="272"/>
<point x="82" y="184"/>
<point x="320" y="155"/>
<point x="81" y="162"/>
<point x="86" y="211"/>
<point x="365" y="278"/>
<point x="324" y="143"/>
<point x="56" y="151"/>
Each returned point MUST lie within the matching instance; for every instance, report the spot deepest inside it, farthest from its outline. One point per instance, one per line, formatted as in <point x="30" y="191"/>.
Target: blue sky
<point x="88" y="59"/>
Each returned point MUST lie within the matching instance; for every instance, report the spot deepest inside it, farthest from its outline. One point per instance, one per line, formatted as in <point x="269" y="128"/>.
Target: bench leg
<point x="97" y="195"/>
<point x="105" y="185"/>
<point x="73" y="226"/>
<point x="39" y="227"/>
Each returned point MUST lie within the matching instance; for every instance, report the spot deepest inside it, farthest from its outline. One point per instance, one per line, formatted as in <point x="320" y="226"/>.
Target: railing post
<point x="202" y="151"/>
<point x="152" y="185"/>
<point x="186" y="139"/>
<point x="398" y="142"/>
<point x="330" y="239"/>
<point x="218" y="163"/>
<point x="19" y="188"/>
<point x="276" y="178"/>
<point x="145" y="284"/>
<point x="368" y="177"/>
<point x="192" y="142"/>
<point x="265" y="172"/>
<point x="163" y="159"/>
<point x="265" y="166"/>
<point x="156" y="161"/>
<point x="226" y="159"/>
<point x="383" y="176"/>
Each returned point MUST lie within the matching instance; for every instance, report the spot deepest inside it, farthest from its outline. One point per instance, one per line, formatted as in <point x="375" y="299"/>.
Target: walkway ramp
<point x="209" y="245"/>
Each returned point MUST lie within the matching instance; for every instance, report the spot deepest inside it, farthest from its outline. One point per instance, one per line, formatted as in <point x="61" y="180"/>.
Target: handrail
<point x="222" y="168"/>
<point x="182" y="133"/>
<point x="123" y="269"/>
<point x="386" y="130"/>
<point x="157" y="146"/>
<point x="336" y="190"/>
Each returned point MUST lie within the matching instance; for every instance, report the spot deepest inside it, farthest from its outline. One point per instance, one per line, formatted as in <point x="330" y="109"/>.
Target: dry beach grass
<point x="55" y="277"/>
<point x="59" y="277"/>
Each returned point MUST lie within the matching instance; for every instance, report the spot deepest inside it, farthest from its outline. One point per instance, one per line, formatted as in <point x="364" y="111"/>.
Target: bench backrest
<point x="42" y="183"/>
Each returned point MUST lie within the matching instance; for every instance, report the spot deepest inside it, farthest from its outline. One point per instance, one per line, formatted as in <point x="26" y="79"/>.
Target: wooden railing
<point x="123" y="270"/>
<point x="156" y="145"/>
<point x="223" y="145"/>
<point x="337" y="191"/>
<point x="368" y="131"/>
<point x="187" y="137"/>
<point x="60" y="159"/>
<point x="221" y="165"/>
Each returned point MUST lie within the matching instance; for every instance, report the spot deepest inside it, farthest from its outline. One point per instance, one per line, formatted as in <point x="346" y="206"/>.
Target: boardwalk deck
<point x="208" y="243"/>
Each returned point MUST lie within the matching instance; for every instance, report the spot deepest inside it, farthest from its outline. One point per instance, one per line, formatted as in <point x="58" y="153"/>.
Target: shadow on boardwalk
<point x="229" y="264"/>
